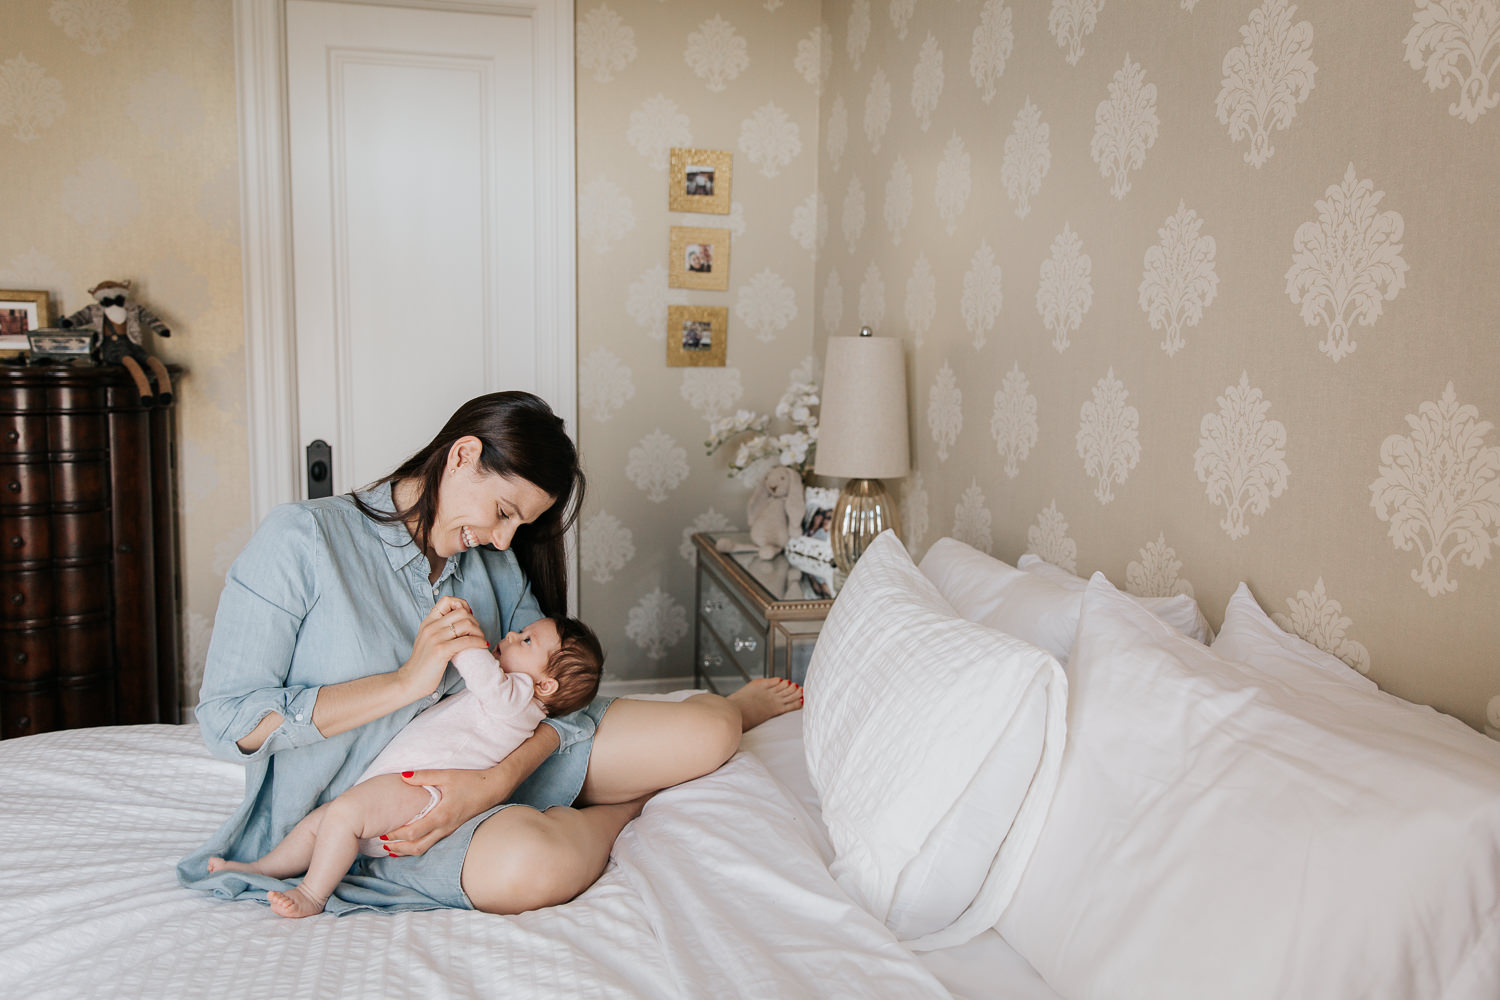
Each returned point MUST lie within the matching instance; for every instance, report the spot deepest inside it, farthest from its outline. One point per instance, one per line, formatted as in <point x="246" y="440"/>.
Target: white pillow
<point x="1217" y="834"/>
<point x="983" y="589"/>
<point x="934" y="744"/>
<point x="1251" y="638"/>
<point x="1179" y="611"/>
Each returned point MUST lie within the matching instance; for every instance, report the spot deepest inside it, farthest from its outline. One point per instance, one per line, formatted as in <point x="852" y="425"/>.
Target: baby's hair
<point x="576" y="665"/>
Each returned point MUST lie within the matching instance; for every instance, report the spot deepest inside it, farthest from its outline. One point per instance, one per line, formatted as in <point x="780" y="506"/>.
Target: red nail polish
<point x="384" y="837"/>
<point x="407" y="774"/>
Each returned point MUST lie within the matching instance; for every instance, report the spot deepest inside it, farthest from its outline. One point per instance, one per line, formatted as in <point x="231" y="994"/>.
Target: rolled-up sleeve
<point x="267" y="594"/>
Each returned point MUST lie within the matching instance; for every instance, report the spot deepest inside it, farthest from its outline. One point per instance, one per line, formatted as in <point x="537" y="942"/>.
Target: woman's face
<point x="476" y="507"/>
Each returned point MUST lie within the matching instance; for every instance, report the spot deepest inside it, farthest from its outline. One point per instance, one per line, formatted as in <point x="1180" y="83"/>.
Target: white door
<point x="411" y="142"/>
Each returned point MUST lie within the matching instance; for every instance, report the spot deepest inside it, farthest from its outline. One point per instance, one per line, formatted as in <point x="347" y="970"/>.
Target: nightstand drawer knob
<point x="18" y="599"/>
<point x="12" y="436"/>
<point x="14" y="486"/>
<point x="709" y="607"/>
<point x="744" y="645"/>
<point x="17" y="541"/>
<point x="709" y="662"/>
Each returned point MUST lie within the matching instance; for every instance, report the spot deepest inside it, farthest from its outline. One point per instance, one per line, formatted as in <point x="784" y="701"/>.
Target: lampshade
<point x="862" y="425"/>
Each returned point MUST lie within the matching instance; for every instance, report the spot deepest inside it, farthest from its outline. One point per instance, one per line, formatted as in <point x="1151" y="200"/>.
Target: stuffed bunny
<point x="118" y="324"/>
<point x="775" y="509"/>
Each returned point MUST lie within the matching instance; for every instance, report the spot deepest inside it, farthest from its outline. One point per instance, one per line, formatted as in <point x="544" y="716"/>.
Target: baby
<point x="551" y="667"/>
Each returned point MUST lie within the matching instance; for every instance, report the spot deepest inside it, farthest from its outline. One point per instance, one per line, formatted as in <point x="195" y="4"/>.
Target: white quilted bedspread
<point x="718" y="890"/>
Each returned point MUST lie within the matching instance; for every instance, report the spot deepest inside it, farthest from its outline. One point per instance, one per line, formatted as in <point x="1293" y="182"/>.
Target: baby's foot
<point x="295" y="902"/>
<point x="220" y="865"/>
<point x="765" y="698"/>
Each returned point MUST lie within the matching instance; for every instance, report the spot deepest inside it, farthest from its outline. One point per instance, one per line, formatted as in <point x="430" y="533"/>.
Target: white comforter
<point x="718" y="890"/>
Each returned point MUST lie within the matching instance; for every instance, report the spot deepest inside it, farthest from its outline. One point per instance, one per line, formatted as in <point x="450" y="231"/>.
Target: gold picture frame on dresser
<point x="753" y="617"/>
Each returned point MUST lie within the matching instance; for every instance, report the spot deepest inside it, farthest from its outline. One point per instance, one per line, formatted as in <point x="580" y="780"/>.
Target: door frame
<point x="275" y="448"/>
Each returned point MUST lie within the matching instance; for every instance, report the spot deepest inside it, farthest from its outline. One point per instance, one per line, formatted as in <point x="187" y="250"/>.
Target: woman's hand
<point x="448" y="629"/>
<point x="466" y="794"/>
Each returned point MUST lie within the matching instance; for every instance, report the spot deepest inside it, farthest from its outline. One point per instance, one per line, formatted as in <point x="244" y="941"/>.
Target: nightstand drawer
<point x="737" y="632"/>
<point x="717" y="667"/>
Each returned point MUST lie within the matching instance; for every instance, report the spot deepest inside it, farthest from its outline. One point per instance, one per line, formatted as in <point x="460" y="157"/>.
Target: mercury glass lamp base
<point x="864" y="509"/>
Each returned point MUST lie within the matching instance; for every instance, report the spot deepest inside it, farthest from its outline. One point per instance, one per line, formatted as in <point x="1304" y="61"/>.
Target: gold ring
<point x="452" y="629"/>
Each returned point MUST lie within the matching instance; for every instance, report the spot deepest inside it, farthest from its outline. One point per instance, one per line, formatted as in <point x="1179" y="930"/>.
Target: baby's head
<point x="563" y="658"/>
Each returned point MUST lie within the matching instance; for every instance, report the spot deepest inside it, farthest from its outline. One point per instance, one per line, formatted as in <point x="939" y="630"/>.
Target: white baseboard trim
<point x="654" y="685"/>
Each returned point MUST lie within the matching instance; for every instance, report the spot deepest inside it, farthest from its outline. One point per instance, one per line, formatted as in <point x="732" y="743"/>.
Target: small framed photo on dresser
<point x="697" y="336"/>
<point x="20" y="313"/>
<point x="699" y="181"/>
<point x="698" y="258"/>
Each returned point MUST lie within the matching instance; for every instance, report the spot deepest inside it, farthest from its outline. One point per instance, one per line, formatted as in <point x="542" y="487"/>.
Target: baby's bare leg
<point x="288" y="858"/>
<point x="369" y="809"/>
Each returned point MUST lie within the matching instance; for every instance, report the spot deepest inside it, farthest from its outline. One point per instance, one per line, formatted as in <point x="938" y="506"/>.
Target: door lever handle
<point x="319" y="470"/>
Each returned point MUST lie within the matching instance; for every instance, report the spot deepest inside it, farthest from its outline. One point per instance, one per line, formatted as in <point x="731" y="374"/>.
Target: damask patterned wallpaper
<point x="118" y="159"/>
<point x="1195" y="291"/>
<point x="731" y="75"/>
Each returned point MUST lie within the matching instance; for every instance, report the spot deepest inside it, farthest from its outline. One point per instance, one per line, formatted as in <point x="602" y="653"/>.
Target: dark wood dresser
<point x="88" y="551"/>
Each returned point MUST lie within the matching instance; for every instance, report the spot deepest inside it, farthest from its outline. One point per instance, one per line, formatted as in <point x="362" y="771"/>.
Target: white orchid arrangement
<point x="794" y="448"/>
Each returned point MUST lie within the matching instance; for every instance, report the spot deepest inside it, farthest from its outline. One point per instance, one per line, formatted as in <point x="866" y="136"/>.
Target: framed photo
<point x="20" y="313"/>
<point x="813" y="543"/>
<point x="698" y="258"/>
<point x="697" y="336"/>
<point x="699" y="181"/>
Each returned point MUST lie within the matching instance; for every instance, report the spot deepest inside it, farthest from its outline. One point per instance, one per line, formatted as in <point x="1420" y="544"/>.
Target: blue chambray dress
<point x="322" y="595"/>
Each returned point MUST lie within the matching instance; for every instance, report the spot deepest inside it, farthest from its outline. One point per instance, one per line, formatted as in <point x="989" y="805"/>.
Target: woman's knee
<point x="518" y="861"/>
<point x="717" y="726"/>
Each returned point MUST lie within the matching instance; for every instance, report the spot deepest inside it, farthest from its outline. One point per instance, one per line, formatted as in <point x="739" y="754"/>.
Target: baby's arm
<point x="498" y="692"/>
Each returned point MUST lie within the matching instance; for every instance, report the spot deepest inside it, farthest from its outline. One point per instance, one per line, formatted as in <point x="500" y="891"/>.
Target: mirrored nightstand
<point x="754" y="617"/>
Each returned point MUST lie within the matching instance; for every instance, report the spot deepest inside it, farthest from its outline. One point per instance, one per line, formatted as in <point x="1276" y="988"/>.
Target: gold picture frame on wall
<point x="698" y="258"/>
<point x="697" y="336"/>
<point x="20" y="313"/>
<point x="699" y="181"/>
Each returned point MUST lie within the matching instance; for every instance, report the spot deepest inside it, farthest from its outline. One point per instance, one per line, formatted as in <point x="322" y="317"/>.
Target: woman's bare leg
<point x="521" y="859"/>
<point x="765" y="698"/>
<point x="642" y="747"/>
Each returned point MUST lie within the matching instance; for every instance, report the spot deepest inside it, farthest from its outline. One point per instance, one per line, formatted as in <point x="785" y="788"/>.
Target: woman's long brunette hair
<point x="522" y="439"/>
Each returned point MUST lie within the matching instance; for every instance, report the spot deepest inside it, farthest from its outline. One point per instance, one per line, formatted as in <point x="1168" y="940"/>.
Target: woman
<point x="330" y="594"/>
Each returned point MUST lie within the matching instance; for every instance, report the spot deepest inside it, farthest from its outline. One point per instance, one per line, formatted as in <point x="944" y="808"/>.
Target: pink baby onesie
<point x="473" y="729"/>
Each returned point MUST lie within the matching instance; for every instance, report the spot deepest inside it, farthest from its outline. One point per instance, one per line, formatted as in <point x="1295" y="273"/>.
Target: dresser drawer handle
<point x="709" y="607"/>
<point x="24" y="722"/>
<point x="742" y="645"/>
<point x="12" y="435"/>
<point x="125" y="548"/>
<point x="18" y="599"/>
<point x="17" y="541"/>
<point x="710" y="662"/>
<point x="14" y="486"/>
<point x="21" y="657"/>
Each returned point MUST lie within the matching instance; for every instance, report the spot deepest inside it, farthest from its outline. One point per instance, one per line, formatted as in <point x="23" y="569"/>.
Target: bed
<point x="1140" y="813"/>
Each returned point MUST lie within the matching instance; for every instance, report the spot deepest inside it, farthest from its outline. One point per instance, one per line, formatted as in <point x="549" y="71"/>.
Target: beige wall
<point x="723" y="75"/>
<point x="118" y="150"/>
<point x="118" y="159"/>
<point x="1357" y="499"/>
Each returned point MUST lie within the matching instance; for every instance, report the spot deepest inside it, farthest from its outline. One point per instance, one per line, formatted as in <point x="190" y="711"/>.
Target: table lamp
<point x="862" y="437"/>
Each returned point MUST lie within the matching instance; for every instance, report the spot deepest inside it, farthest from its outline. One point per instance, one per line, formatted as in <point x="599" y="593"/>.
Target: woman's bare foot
<point x="295" y="903"/>
<point x="220" y="865"/>
<point x="765" y="698"/>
